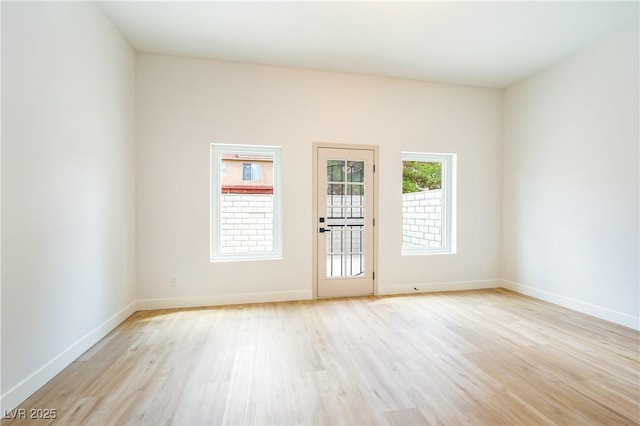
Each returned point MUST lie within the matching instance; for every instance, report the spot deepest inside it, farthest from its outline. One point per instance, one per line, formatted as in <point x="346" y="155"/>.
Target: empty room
<point x="325" y="213"/>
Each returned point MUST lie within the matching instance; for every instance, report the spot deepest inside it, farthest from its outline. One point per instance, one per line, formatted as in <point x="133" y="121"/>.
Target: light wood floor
<point x="478" y="357"/>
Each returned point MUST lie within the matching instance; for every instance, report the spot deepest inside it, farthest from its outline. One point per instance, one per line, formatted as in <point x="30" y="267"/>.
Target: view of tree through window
<point x="427" y="199"/>
<point x="420" y="176"/>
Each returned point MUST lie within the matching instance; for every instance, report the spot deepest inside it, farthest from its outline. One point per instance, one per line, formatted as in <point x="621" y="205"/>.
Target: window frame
<point x="215" y="182"/>
<point x="448" y="196"/>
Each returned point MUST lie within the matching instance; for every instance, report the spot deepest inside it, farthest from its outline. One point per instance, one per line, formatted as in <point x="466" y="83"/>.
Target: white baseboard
<point x="576" y="305"/>
<point x="443" y="286"/>
<point x="222" y="299"/>
<point x="17" y="394"/>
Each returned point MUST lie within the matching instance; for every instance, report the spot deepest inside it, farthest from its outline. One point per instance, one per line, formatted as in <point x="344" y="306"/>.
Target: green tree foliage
<point x="420" y="176"/>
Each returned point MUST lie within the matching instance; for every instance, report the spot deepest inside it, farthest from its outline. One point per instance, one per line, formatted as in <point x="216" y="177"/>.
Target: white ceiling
<point x="491" y="44"/>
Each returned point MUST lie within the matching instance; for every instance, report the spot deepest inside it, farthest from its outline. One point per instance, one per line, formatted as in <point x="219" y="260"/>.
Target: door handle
<point x="323" y="230"/>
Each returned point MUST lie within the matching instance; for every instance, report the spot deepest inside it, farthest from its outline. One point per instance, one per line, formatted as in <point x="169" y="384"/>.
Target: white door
<point x="345" y="222"/>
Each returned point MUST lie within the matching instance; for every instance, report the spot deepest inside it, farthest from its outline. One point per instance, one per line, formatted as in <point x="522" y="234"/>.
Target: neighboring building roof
<point x="247" y="156"/>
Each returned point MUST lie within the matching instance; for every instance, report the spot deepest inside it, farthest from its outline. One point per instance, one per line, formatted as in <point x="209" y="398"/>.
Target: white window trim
<point x="449" y="166"/>
<point x="214" y="213"/>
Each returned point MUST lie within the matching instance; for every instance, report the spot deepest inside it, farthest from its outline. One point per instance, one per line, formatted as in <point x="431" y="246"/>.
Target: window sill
<point x="244" y="259"/>
<point x="426" y="253"/>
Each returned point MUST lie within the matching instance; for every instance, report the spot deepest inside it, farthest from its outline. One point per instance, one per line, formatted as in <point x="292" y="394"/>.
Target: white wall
<point x="570" y="179"/>
<point x="183" y="105"/>
<point x="68" y="171"/>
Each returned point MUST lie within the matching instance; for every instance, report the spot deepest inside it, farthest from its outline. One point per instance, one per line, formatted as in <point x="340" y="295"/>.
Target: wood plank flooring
<point x="487" y="357"/>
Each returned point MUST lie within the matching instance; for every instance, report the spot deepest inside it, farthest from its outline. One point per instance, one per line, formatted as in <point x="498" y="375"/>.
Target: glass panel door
<point x="345" y="241"/>
<point x="345" y="218"/>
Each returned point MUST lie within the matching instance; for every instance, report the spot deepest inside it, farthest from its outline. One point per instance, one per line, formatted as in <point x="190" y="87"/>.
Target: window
<point x="428" y="203"/>
<point x="246" y="221"/>
<point x="251" y="171"/>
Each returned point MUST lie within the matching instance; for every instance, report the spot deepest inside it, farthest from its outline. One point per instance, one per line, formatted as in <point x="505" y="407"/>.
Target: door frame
<point x="315" y="218"/>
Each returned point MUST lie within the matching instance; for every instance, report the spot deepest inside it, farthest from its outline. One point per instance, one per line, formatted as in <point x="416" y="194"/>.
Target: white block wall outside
<point x="344" y="239"/>
<point x="422" y="219"/>
<point x="246" y="220"/>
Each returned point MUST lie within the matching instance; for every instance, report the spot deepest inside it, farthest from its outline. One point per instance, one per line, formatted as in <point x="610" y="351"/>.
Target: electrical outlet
<point x="172" y="281"/>
<point x="480" y="267"/>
